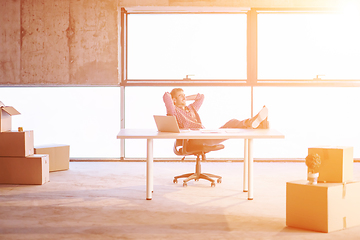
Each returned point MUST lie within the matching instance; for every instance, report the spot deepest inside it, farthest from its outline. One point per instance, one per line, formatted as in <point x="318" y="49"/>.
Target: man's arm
<point x="169" y="104"/>
<point x="199" y="98"/>
<point x="191" y="97"/>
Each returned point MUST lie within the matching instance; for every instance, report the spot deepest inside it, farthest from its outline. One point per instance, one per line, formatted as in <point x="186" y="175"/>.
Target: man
<point x="188" y="118"/>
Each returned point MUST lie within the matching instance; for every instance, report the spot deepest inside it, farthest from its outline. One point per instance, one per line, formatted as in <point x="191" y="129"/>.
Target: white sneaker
<point x="261" y="116"/>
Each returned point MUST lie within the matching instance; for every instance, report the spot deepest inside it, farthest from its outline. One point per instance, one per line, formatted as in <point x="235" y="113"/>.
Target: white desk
<point x="247" y="134"/>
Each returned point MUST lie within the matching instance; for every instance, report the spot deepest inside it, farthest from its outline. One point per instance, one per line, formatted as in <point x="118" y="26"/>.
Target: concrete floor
<point x="106" y="200"/>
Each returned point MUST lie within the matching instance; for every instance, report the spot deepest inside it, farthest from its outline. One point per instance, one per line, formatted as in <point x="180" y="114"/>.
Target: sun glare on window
<point x="304" y="46"/>
<point x="202" y="46"/>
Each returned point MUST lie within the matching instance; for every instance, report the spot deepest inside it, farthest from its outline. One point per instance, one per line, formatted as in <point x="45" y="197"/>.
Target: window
<point x="290" y="46"/>
<point x="202" y="46"/>
<point x="86" y="118"/>
<point x="220" y="105"/>
<point x="307" y="45"/>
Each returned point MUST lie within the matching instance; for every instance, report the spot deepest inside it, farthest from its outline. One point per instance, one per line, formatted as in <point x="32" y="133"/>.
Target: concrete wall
<point x="44" y="43"/>
<point x="58" y="42"/>
<point x="93" y="42"/>
<point x="75" y="42"/>
<point x="10" y="41"/>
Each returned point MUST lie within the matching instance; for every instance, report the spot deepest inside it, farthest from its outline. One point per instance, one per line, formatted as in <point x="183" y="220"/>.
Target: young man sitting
<point x="188" y="118"/>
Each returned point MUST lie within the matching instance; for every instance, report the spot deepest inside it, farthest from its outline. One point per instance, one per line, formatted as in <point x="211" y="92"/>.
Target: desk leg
<point x="250" y="169"/>
<point x="149" y="169"/>
<point x="246" y="161"/>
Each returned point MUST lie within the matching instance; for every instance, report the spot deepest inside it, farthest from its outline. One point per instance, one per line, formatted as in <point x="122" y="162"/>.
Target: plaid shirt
<point x="187" y="118"/>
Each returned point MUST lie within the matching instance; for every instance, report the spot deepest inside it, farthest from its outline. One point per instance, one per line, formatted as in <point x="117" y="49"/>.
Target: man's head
<point x="178" y="97"/>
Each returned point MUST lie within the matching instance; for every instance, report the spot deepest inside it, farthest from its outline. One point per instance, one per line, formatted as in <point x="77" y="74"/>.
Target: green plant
<point x="313" y="162"/>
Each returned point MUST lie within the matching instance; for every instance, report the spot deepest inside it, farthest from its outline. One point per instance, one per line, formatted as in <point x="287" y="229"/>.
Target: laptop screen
<point x="166" y="123"/>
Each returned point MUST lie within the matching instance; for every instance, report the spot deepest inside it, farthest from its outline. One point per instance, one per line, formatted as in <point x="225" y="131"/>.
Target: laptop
<point x="167" y="124"/>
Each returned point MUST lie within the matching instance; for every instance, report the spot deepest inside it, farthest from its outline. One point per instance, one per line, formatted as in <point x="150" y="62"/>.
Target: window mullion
<point x="252" y="47"/>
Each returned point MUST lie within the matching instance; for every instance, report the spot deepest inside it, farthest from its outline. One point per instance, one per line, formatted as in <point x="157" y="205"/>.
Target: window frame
<point x="252" y="55"/>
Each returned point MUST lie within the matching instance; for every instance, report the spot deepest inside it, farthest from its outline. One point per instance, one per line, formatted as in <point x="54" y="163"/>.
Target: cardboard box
<point x="5" y="117"/>
<point x="337" y="163"/>
<point x="59" y="155"/>
<point x="324" y="207"/>
<point x="16" y="144"/>
<point x="24" y="170"/>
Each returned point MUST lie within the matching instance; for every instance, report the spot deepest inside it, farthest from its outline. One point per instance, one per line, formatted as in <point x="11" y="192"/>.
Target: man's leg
<point x="234" y="123"/>
<point x="259" y="118"/>
<point x="253" y="122"/>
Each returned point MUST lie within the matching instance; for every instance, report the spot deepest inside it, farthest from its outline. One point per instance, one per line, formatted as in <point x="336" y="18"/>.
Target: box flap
<point x="10" y="110"/>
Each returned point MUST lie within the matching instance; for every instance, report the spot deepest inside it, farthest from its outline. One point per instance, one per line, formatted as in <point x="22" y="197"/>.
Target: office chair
<point x="181" y="149"/>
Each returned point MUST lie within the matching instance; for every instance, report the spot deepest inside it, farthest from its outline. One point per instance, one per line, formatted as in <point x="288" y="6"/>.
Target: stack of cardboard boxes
<point x="333" y="203"/>
<point x="20" y="162"/>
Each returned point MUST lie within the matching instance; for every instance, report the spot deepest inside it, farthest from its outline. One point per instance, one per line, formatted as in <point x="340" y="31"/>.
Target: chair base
<point x="197" y="176"/>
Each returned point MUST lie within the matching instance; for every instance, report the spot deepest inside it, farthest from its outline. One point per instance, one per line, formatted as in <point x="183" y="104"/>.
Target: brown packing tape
<point x="343" y="196"/>
<point x="344" y="223"/>
<point x="326" y="155"/>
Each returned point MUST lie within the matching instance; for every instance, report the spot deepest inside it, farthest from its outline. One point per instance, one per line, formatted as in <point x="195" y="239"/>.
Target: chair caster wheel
<point x="219" y="180"/>
<point x="184" y="184"/>
<point x="212" y="184"/>
<point x="175" y="180"/>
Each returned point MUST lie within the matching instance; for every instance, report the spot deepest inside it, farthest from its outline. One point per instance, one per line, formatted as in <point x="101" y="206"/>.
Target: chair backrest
<point x="179" y="145"/>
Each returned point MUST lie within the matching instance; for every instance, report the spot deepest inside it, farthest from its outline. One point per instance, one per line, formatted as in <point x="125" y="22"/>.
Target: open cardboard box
<point x="5" y="117"/>
<point x="337" y="163"/>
